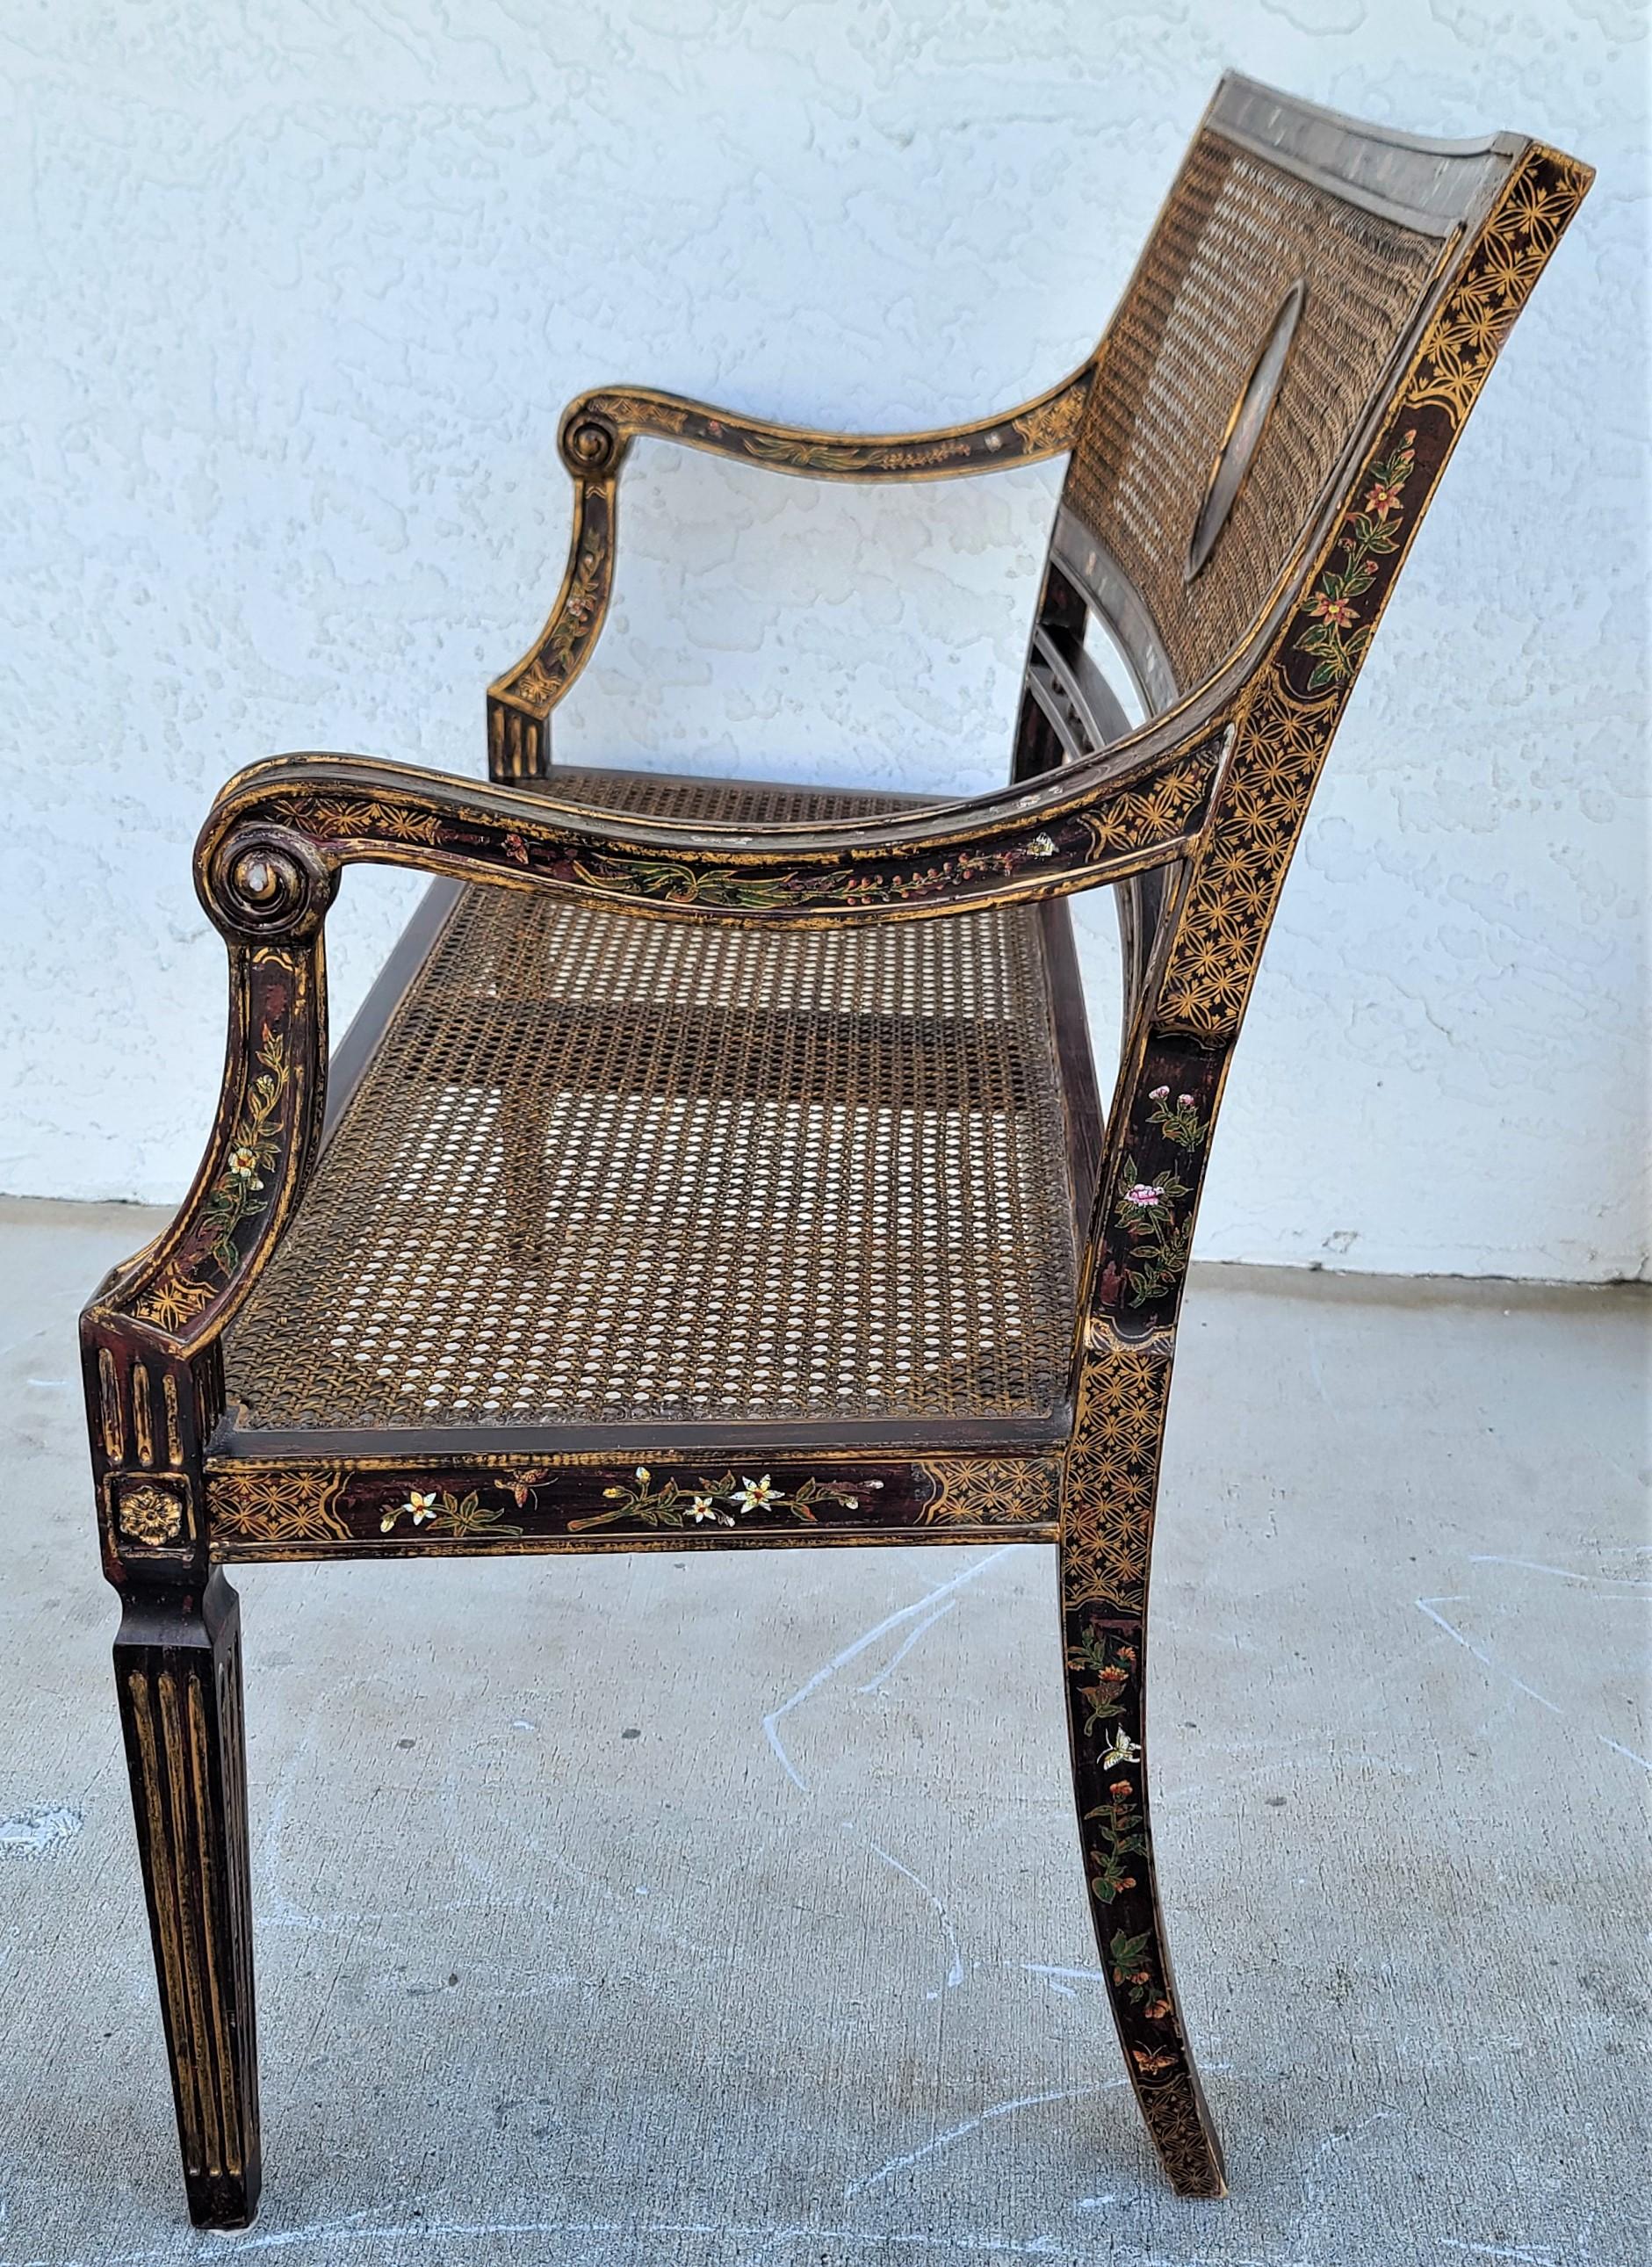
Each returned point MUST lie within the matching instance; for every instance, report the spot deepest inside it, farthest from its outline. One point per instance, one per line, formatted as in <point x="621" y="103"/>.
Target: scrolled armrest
<point x="272" y="846"/>
<point x="597" y="430"/>
<point x="597" y="425"/>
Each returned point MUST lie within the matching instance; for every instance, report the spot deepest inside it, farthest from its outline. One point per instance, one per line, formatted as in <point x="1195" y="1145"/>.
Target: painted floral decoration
<point x="444" y="1513"/>
<point x="1120" y="1835"/>
<point x="721" y="1502"/>
<point x="1335" y="635"/>
<point x="1159" y="1237"/>
<point x="679" y="884"/>
<point x="253" y="1150"/>
<point x="1111" y="1662"/>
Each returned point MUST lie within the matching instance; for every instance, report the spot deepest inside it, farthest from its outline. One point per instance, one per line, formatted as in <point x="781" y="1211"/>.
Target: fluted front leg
<point x="178" y="1668"/>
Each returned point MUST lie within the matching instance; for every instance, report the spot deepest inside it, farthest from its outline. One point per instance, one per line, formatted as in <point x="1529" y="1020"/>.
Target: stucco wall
<point x="294" y="295"/>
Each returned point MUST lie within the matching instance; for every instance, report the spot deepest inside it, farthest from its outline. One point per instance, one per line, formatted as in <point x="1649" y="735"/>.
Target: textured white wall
<point x="295" y="293"/>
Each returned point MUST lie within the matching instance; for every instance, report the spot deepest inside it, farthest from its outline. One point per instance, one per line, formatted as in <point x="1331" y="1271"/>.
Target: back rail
<point x="1433" y="186"/>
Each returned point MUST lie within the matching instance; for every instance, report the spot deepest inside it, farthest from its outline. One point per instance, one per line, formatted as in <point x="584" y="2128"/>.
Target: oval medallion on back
<point x="1245" y="429"/>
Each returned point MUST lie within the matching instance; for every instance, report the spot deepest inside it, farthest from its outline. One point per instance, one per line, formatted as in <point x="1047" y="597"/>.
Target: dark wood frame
<point x="1215" y="784"/>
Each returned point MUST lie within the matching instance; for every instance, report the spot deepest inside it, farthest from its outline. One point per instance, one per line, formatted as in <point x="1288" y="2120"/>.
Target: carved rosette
<point x="150" y="1512"/>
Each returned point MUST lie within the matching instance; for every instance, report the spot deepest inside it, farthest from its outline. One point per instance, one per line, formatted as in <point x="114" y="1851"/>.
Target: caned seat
<point x="724" y="1165"/>
<point x="599" y="1170"/>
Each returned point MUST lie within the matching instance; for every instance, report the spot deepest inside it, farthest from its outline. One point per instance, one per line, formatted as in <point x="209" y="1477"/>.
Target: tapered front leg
<point x="178" y="1667"/>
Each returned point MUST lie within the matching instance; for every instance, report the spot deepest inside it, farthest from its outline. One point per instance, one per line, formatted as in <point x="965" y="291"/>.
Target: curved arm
<point x="272" y="846"/>
<point x="598" y="427"/>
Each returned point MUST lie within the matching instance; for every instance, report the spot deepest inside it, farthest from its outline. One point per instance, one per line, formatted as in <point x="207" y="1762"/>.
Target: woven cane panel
<point x="610" y="1167"/>
<point x="1236" y="236"/>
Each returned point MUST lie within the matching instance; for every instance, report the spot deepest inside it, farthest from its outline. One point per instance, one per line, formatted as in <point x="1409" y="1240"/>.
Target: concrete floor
<point x="559" y="1962"/>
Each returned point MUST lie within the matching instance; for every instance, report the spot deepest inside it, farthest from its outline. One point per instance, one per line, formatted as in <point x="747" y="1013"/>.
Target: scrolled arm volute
<point x="597" y="431"/>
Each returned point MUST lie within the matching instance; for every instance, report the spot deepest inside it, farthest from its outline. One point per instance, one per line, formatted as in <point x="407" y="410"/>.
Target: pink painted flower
<point x="1183" y="1102"/>
<point x="1142" y="1193"/>
<point x="1159" y="1094"/>
<point x="1337" y="612"/>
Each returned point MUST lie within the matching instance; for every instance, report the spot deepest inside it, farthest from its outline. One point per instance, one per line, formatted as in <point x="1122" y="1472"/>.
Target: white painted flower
<point x="643" y="1474"/>
<point x="423" y="1507"/>
<point x="699" y="1508"/>
<point x="244" y="1165"/>
<point x="752" y="1495"/>
<point x="1123" y="1751"/>
<point x="1041" y="847"/>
